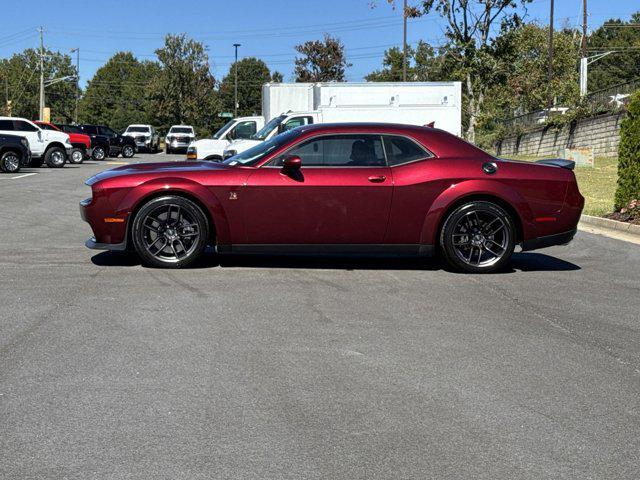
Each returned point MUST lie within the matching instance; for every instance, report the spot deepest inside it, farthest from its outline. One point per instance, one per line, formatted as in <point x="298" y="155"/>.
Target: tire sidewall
<point x="447" y="231"/>
<point x="136" y="231"/>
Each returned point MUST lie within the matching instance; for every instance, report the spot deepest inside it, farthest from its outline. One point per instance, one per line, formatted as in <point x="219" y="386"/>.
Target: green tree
<point x="22" y="74"/>
<point x="321" y="61"/>
<point x="252" y="74"/>
<point x="422" y="65"/>
<point x="184" y="89"/>
<point x="629" y="155"/>
<point x="117" y="95"/>
<point x="621" y="66"/>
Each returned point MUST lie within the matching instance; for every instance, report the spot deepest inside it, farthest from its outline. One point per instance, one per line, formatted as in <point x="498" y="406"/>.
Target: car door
<point x="112" y="137"/>
<point x="341" y="194"/>
<point x="35" y="136"/>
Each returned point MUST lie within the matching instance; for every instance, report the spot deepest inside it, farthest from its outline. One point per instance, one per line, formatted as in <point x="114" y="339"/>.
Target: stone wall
<point x="601" y="133"/>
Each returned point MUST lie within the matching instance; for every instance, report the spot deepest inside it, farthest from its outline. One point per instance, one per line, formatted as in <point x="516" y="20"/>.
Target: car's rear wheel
<point x="478" y="237"/>
<point x="99" y="153"/>
<point x="77" y="156"/>
<point x="170" y="232"/>
<point x="10" y="162"/>
<point x="127" y="151"/>
<point x="55" y="157"/>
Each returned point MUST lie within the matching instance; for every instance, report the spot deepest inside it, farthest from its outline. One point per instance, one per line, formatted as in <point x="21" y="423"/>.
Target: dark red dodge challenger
<point x="339" y="189"/>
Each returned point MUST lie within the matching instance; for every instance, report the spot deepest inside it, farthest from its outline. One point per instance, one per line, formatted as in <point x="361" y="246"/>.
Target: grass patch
<point x="597" y="185"/>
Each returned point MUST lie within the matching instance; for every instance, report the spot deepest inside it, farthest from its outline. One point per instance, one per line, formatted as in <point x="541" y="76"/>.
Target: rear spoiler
<point x="558" y="162"/>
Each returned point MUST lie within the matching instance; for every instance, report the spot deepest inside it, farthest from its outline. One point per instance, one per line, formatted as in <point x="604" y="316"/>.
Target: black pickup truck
<point x="118" y="144"/>
<point x="14" y="153"/>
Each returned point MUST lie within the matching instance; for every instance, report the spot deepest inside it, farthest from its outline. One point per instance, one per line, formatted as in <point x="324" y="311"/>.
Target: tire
<point x="168" y="151"/>
<point x="77" y="156"/>
<point x="174" y="223"/>
<point x="478" y="237"/>
<point x="99" y="153"/>
<point x="127" y="151"/>
<point x="55" y="157"/>
<point x="10" y="162"/>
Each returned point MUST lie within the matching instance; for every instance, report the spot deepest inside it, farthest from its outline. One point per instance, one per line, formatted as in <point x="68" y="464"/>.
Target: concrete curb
<point x="613" y="225"/>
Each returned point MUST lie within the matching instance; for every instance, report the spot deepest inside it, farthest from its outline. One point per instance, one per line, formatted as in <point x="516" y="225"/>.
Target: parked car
<point x="103" y="137"/>
<point x="80" y="142"/>
<point x="339" y="188"/>
<point x="145" y="137"/>
<point x="47" y="146"/>
<point x="179" y="137"/>
<point x="98" y="145"/>
<point x="235" y="129"/>
<point x="14" y="153"/>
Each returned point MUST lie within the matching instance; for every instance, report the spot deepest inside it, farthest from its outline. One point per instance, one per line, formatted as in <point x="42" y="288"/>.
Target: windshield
<point x="138" y="129"/>
<point x="46" y="126"/>
<point x="181" y="130"/>
<point x="255" y="154"/>
<point x="264" y="132"/>
<point x="71" y="129"/>
<point x="220" y="132"/>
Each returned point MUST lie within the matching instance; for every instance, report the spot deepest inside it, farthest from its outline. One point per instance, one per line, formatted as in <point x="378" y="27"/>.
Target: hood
<point x="136" y="134"/>
<point x="242" y="145"/>
<point x="150" y="170"/>
<point x="55" y="135"/>
<point x="209" y="142"/>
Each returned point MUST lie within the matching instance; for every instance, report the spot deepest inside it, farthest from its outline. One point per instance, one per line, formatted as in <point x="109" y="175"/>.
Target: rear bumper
<point x="549" y="240"/>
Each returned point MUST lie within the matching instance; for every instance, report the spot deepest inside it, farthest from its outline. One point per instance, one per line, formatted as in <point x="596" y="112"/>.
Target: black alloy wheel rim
<point x="170" y="233"/>
<point x="480" y="238"/>
<point x="11" y="163"/>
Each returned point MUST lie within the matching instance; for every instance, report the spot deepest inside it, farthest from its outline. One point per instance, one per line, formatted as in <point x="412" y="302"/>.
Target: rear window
<point x="401" y="150"/>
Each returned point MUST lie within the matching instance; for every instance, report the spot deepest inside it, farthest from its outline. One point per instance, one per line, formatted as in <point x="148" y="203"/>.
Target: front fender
<point x="473" y="188"/>
<point x="137" y="195"/>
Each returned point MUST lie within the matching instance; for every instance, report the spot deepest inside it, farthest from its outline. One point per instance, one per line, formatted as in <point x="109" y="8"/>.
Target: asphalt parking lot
<point x="307" y="368"/>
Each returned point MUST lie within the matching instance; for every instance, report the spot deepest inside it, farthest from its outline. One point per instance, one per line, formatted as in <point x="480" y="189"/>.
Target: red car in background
<point x="339" y="189"/>
<point x="81" y="143"/>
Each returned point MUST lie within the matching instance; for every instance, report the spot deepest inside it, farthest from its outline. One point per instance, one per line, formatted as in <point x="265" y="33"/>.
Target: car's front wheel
<point x="478" y="237"/>
<point x="170" y="232"/>
<point x="77" y="156"/>
<point x="127" y="151"/>
<point x="55" y="157"/>
<point x="10" y="162"/>
<point x="99" y="153"/>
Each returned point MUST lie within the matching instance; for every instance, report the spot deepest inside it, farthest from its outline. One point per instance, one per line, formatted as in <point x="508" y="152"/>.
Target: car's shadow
<point x="524" y="262"/>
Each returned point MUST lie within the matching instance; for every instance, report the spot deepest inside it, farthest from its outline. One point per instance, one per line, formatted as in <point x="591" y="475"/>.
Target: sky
<point x="267" y="29"/>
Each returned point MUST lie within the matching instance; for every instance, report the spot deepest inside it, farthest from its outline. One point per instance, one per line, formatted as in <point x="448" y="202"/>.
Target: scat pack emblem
<point x="233" y="195"/>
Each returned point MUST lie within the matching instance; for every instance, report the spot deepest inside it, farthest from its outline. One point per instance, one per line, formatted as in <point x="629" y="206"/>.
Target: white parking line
<point x="18" y="176"/>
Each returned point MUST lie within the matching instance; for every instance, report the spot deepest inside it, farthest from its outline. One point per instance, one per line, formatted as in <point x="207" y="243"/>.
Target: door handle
<point x="377" y="178"/>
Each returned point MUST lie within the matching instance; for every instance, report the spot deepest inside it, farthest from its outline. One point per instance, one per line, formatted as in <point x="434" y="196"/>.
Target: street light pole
<point x="77" y="51"/>
<point x="404" y="43"/>
<point x="235" y="86"/>
<point x="41" y="30"/>
<point x="550" y="72"/>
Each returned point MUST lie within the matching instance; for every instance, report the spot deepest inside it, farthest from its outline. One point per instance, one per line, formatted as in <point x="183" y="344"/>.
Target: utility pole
<point x="77" y="51"/>
<point x="584" y="29"/>
<point x="6" y="96"/>
<point x="235" y="86"/>
<point x="41" y="30"/>
<point x="584" y="61"/>
<point x="550" y="72"/>
<point x="404" y="43"/>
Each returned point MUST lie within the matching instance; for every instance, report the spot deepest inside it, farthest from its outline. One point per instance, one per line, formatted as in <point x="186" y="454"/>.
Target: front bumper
<point x="549" y="240"/>
<point x="114" y="247"/>
<point x="107" y="234"/>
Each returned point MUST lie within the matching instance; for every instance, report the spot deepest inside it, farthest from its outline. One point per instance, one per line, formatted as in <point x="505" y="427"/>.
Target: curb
<point x="612" y="225"/>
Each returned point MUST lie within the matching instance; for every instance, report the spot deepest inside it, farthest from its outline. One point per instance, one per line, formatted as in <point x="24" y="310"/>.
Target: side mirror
<point x="292" y="163"/>
<point x="39" y="134"/>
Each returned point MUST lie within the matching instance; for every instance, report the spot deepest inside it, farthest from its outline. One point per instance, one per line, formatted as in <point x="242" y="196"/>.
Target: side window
<point x="91" y="129"/>
<point x="403" y="150"/>
<point x="107" y="132"/>
<point x="338" y="151"/>
<point x="244" y="129"/>
<point x="22" y="126"/>
<point x="6" y="125"/>
<point x="297" y="122"/>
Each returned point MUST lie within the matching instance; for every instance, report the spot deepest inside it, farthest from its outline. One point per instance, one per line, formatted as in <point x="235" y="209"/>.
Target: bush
<point x="629" y="155"/>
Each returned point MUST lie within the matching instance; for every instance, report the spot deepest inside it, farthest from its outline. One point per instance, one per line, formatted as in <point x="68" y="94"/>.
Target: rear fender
<point x="475" y="188"/>
<point x="136" y="196"/>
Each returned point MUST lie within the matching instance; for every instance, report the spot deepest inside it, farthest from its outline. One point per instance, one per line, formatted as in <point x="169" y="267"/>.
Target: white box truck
<point x="289" y="105"/>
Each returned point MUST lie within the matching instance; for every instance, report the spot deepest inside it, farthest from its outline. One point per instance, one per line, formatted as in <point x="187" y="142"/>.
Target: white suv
<point x="145" y="137"/>
<point x="179" y="138"/>
<point x="47" y="146"/>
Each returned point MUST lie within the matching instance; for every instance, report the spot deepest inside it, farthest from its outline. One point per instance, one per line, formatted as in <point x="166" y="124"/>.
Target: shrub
<point x="629" y="155"/>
